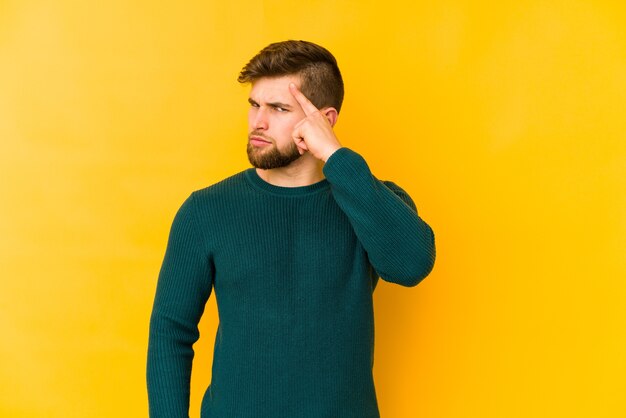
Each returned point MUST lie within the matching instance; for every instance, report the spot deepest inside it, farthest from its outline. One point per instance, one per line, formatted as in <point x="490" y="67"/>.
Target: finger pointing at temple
<point x="308" y="107"/>
<point x="315" y="133"/>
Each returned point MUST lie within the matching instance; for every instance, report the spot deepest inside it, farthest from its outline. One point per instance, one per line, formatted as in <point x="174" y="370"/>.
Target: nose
<point x="259" y="118"/>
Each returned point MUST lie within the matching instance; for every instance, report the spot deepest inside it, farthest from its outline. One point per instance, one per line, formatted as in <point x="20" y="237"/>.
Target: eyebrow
<point x="273" y="104"/>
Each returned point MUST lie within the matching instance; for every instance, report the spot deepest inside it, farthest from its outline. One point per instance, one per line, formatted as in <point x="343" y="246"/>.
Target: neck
<point x="302" y="172"/>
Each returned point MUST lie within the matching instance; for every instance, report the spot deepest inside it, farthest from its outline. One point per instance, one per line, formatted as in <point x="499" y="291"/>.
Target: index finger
<point x="304" y="102"/>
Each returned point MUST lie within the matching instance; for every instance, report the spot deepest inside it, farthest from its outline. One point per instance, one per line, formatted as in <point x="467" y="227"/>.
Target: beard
<point x="270" y="157"/>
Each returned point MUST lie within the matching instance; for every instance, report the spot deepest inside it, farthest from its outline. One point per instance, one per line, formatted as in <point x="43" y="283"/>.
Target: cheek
<point x="289" y="124"/>
<point x="285" y="134"/>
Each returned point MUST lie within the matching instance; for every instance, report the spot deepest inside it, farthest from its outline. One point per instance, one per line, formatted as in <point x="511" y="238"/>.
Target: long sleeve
<point x="184" y="286"/>
<point x="399" y="244"/>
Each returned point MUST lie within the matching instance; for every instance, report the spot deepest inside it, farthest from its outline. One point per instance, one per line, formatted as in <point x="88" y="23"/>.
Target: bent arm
<point x="183" y="287"/>
<point x="399" y="244"/>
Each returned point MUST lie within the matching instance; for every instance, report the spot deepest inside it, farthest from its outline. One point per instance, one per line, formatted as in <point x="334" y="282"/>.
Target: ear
<point x="331" y="114"/>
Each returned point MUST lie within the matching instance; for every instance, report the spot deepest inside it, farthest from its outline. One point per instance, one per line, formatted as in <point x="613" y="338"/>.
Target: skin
<point x="280" y="115"/>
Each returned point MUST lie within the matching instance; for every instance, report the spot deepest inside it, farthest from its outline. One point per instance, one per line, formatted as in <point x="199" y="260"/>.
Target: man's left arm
<point x="399" y="244"/>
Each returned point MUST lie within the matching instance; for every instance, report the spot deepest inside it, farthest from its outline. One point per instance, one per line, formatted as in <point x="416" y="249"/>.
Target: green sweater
<point x="293" y="270"/>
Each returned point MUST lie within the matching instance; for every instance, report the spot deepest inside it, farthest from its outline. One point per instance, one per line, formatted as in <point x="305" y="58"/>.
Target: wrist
<point x="330" y="152"/>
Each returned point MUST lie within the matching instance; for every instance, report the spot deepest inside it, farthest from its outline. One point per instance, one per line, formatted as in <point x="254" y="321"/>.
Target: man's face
<point x="272" y="116"/>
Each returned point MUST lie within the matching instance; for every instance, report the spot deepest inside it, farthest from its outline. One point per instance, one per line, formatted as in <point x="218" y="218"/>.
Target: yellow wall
<point x="506" y="122"/>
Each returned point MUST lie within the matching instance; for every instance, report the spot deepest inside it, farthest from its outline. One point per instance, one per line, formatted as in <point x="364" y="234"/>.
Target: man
<point x="293" y="249"/>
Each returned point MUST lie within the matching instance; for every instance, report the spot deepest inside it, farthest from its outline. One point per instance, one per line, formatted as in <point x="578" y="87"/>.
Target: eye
<point x="280" y="109"/>
<point x="254" y="104"/>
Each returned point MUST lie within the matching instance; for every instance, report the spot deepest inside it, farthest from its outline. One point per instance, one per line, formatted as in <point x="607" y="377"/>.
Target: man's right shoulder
<point x="228" y="188"/>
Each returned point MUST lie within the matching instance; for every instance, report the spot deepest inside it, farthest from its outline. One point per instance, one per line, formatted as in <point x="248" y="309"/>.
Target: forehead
<point x="274" y="88"/>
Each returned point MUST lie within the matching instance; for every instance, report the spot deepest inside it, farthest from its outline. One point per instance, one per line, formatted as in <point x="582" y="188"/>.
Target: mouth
<point x="259" y="141"/>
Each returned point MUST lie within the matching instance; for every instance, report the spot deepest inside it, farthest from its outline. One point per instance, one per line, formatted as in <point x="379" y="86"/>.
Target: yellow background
<point x="505" y="121"/>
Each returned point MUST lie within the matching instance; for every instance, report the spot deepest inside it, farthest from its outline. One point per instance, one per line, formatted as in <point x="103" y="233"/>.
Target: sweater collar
<point x="253" y="177"/>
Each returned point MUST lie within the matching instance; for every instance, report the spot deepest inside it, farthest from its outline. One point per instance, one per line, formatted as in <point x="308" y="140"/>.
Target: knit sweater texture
<point x="293" y="270"/>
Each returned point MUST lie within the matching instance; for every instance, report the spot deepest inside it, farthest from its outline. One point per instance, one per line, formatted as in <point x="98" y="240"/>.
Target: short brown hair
<point x="315" y="65"/>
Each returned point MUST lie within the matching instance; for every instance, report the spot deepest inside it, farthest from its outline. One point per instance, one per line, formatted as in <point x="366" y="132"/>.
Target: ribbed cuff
<point x="345" y="163"/>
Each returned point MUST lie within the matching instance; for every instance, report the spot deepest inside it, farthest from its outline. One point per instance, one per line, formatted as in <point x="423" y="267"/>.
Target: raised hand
<point x="315" y="132"/>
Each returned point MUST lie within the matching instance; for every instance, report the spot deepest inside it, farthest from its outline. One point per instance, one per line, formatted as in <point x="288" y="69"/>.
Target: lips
<point x="257" y="140"/>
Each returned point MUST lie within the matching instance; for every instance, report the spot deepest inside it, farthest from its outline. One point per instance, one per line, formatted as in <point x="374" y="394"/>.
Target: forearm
<point x="170" y="356"/>
<point x="399" y="244"/>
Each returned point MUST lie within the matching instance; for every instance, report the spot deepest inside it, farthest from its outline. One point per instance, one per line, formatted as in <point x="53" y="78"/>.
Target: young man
<point x="293" y="250"/>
